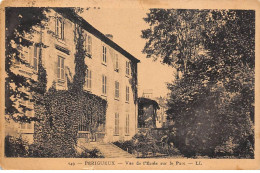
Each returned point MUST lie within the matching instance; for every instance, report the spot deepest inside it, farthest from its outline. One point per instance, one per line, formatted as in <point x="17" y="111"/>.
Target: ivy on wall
<point x="133" y="80"/>
<point x="56" y="134"/>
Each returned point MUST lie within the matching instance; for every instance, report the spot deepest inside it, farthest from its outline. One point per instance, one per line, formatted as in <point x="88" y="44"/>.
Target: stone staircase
<point x="110" y="150"/>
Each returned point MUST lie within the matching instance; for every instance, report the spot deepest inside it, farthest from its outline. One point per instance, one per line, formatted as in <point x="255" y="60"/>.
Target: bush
<point x="15" y="147"/>
<point x="147" y="144"/>
<point x="126" y="145"/>
<point x="95" y="153"/>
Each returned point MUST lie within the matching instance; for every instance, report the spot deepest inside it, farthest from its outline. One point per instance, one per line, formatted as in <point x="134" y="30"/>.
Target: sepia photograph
<point x="145" y="83"/>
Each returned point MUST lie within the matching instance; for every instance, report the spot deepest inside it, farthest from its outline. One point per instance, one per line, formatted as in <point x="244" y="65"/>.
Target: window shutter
<point x="86" y="43"/>
<point x="90" y="78"/>
<point x="62" y="69"/>
<point x="58" y="68"/>
<point x="30" y="56"/>
<point x="89" y="45"/>
<point x="57" y="26"/>
<point x="63" y="26"/>
<point x="35" y="57"/>
<point x="103" y="54"/>
<point x="105" y="84"/>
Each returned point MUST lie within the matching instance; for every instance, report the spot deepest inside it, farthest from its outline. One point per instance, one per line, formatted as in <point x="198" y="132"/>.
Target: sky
<point x="125" y="24"/>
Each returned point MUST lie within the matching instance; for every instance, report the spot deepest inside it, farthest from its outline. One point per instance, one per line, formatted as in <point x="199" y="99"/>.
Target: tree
<point x="19" y="23"/>
<point x="212" y="102"/>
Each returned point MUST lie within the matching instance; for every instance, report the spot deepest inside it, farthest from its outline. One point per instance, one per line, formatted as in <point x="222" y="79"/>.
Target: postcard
<point x="130" y="85"/>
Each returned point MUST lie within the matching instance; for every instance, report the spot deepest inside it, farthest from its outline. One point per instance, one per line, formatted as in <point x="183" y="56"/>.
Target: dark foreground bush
<point x="144" y="144"/>
<point x="15" y="147"/>
<point x="95" y="153"/>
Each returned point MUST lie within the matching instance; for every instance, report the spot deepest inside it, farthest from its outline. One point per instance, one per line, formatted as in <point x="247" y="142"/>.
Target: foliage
<point x="80" y="65"/>
<point x="126" y="146"/>
<point x="133" y="80"/>
<point x="15" y="146"/>
<point x="94" y="153"/>
<point x="19" y="22"/>
<point x="148" y="144"/>
<point x="212" y="101"/>
<point x="18" y="147"/>
<point x="147" y="112"/>
<point x="60" y="113"/>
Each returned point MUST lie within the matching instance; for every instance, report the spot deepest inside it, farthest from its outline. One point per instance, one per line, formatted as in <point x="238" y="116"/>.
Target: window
<point x="104" y="60"/>
<point x="83" y="126"/>
<point x="88" y="79"/>
<point x="104" y="84"/>
<point x="117" y="63"/>
<point x="88" y="44"/>
<point x="127" y="124"/>
<point x="60" y="72"/>
<point x="30" y="55"/>
<point x="28" y="113"/>
<point x="25" y="53"/>
<point x="59" y="28"/>
<point x="127" y="93"/>
<point x="127" y="67"/>
<point x="116" y="123"/>
<point x="116" y="89"/>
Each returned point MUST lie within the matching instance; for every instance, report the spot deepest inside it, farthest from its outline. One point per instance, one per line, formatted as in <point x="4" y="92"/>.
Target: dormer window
<point x="88" y="44"/>
<point x="127" y="68"/>
<point x="104" y="57"/>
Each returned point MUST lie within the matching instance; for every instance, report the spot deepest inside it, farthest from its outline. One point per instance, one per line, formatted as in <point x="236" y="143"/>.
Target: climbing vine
<point x="133" y="80"/>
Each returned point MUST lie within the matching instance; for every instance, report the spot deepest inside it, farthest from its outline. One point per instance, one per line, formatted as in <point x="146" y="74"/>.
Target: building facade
<point x="110" y="71"/>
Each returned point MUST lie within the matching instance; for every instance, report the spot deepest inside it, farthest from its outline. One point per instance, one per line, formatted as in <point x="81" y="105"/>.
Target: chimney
<point x="110" y="36"/>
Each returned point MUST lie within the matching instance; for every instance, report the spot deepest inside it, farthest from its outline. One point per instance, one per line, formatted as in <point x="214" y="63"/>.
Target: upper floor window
<point x="25" y="53"/>
<point x="60" y="72"/>
<point x="104" y="84"/>
<point x="59" y="28"/>
<point x="127" y="68"/>
<point x="88" y="79"/>
<point x="127" y="124"/>
<point x="127" y="93"/>
<point x="117" y="63"/>
<point x="116" y="123"/>
<point x="116" y="89"/>
<point x="30" y="55"/>
<point x="88" y="44"/>
<point x="104" y="57"/>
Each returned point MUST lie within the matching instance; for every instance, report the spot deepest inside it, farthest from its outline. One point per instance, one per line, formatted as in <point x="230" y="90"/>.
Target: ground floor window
<point x="83" y="126"/>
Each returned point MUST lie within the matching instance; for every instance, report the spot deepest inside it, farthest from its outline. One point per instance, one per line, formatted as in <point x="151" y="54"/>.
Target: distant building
<point x="162" y="121"/>
<point x="147" y="113"/>
<point x="161" y="117"/>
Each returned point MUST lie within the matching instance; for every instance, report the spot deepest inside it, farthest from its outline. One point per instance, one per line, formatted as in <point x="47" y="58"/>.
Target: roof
<point x="144" y="101"/>
<point x="70" y="14"/>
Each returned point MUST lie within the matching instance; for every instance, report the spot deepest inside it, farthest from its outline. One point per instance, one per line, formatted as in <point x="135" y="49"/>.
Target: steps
<point x="110" y="150"/>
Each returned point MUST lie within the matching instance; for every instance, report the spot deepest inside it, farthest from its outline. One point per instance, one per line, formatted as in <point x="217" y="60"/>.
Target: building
<point x="162" y="121"/>
<point x="110" y="73"/>
<point x="161" y="116"/>
<point x="147" y="113"/>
